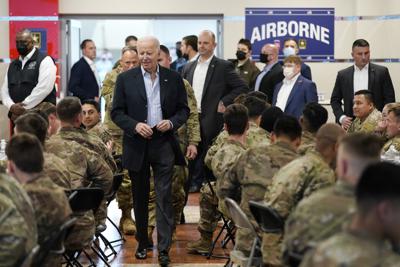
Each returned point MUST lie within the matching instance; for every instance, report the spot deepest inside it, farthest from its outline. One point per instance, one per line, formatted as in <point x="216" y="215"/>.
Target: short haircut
<point x="68" y="108"/>
<point x="245" y="42"/>
<point x="34" y="124"/>
<point x="290" y="39"/>
<point x="259" y="95"/>
<point x="360" y="43"/>
<point x="269" y="117"/>
<point x="362" y="145"/>
<point x="46" y="108"/>
<point x="369" y="95"/>
<point x="379" y="182"/>
<point x="84" y="42"/>
<point x="240" y="98"/>
<point x="287" y="126"/>
<point x="92" y="102"/>
<point x="236" y="119"/>
<point x="130" y="38"/>
<point x="396" y="111"/>
<point x="314" y="116"/>
<point x="292" y="59"/>
<point x="26" y="152"/>
<point x="328" y="135"/>
<point x="254" y="105"/>
<point x="192" y="41"/>
<point x="164" y="49"/>
<point x="128" y="48"/>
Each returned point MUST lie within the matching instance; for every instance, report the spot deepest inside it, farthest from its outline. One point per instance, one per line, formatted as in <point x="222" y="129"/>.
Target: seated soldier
<point x="252" y="172"/>
<point x="322" y="214"/>
<point x="299" y="179"/>
<point x="49" y="201"/>
<point x="376" y="223"/>
<point x="393" y="130"/>
<point x="313" y="117"/>
<point x="269" y="117"/>
<point x="380" y="128"/>
<point x="236" y="123"/>
<point x="18" y="229"/>
<point x="367" y="116"/>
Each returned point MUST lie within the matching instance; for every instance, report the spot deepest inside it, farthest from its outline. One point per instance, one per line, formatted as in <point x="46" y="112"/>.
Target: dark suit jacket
<point x="306" y="71"/>
<point x="270" y="80"/>
<point x="82" y="82"/>
<point x="222" y="84"/>
<point x="304" y="91"/>
<point x="130" y="107"/>
<point x="379" y="82"/>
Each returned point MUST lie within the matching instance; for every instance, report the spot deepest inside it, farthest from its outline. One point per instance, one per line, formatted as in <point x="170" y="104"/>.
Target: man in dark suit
<point x="291" y="47"/>
<point x="272" y="74"/>
<point x="215" y="83"/>
<point x="362" y="75"/>
<point x="84" y="81"/>
<point x="149" y="104"/>
<point x="295" y="91"/>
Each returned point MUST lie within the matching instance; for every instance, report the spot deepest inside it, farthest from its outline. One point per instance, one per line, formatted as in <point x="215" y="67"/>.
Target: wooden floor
<point x="179" y="257"/>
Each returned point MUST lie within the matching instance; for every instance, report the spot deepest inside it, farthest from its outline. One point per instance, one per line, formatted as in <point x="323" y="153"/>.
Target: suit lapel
<point x="209" y="75"/>
<point x="191" y="72"/>
<point x="163" y="84"/>
<point x="295" y="89"/>
<point x="371" y="76"/>
<point x="351" y="83"/>
<point x="141" y="85"/>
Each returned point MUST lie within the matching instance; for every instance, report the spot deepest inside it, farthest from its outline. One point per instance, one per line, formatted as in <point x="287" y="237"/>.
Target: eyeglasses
<point x="289" y="65"/>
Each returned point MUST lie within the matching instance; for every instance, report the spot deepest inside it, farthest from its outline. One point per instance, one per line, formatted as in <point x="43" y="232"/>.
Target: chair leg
<point x="122" y="238"/>
<point x="107" y="244"/>
<point x="99" y="254"/>
<point x="253" y="249"/>
<point x="97" y="249"/>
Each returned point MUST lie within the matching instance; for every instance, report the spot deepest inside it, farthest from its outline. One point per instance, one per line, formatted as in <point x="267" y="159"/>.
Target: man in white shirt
<point x="30" y="78"/>
<point x="363" y="75"/>
<point x="295" y="91"/>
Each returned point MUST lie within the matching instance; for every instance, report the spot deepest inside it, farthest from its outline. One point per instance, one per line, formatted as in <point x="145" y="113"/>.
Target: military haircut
<point x="287" y="126"/>
<point x="255" y="106"/>
<point x="130" y="38"/>
<point x="292" y="59"/>
<point x="128" y="48"/>
<point x="32" y="123"/>
<point x="47" y="108"/>
<point x="84" y="42"/>
<point x="269" y="117"/>
<point x="362" y="145"/>
<point x="26" y="152"/>
<point x="92" y="102"/>
<point x="314" y="116"/>
<point x="329" y="134"/>
<point x="379" y="182"/>
<point x="240" y="99"/>
<point x="259" y="95"/>
<point x="245" y="42"/>
<point x="369" y="95"/>
<point x="290" y="39"/>
<point x="192" y="41"/>
<point x="68" y="108"/>
<point x="360" y="43"/>
<point x="396" y="111"/>
<point x="164" y="49"/>
<point x="236" y="118"/>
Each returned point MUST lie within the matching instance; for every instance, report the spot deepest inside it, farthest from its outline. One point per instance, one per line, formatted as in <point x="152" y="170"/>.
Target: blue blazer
<point x="304" y="91"/>
<point x="82" y="82"/>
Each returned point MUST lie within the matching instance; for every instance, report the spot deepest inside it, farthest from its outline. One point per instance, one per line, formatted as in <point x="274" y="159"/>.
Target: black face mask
<point x="178" y="53"/>
<point x="240" y="55"/>
<point x="264" y="58"/>
<point x="22" y="48"/>
<point x="186" y="56"/>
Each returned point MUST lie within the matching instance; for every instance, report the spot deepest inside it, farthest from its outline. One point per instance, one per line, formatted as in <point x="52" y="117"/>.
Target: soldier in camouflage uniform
<point x="367" y="116"/>
<point x="323" y="213"/>
<point x="49" y="201"/>
<point x="224" y="158"/>
<point x="253" y="171"/>
<point x="297" y="180"/>
<point x="18" y="230"/>
<point x="380" y="129"/>
<point x="313" y="117"/>
<point x="365" y="241"/>
<point x="393" y="129"/>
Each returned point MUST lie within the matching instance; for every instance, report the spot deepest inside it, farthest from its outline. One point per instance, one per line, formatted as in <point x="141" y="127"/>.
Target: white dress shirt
<point x="46" y="80"/>
<point x="284" y="92"/>
<point x="199" y="78"/>
<point x="92" y="65"/>
<point x="154" y="112"/>
<point x="360" y="80"/>
<point x="194" y="58"/>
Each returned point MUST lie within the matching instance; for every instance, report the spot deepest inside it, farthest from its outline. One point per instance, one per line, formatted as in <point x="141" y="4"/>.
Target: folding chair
<point x="29" y="258"/>
<point x="242" y="221"/>
<point x="117" y="181"/>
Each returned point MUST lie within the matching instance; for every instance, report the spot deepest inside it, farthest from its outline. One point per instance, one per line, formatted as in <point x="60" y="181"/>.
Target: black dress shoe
<point x="163" y="259"/>
<point x="141" y="254"/>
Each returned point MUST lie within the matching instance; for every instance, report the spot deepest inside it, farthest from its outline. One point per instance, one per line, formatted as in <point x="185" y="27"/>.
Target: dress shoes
<point x="163" y="259"/>
<point x="141" y="254"/>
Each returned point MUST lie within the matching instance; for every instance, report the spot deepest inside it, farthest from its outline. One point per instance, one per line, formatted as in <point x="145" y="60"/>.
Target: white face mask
<point x="288" y="51"/>
<point x="288" y="72"/>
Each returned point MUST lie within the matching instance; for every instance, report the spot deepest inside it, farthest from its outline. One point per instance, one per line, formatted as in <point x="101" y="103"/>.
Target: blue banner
<point x="313" y="28"/>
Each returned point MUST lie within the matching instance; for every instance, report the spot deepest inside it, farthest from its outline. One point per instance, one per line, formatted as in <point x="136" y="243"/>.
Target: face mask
<point x="288" y="51"/>
<point x="288" y="72"/>
<point x="264" y="58"/>
<point x="22" y="48"/>
<point x="240" y="55"/>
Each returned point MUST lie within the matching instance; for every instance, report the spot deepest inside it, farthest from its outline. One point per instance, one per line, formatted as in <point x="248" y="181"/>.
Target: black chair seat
<point x="267" y="218"/>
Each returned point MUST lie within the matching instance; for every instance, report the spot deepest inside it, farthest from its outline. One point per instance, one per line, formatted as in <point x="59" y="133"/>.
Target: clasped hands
<point x="146" y="131"/>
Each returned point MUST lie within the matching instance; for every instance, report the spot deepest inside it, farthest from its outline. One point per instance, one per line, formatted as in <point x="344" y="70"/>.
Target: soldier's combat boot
<point x="127" y="224"/>
<point x="201" y="246"/>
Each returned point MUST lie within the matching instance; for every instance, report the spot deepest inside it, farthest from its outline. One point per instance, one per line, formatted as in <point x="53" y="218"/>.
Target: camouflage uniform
<point x="368" y="125"/>
<point x="317" y="218"/>
<point x="395" y="141"/>
<point x="18" y="230"/>
<point x="307" y="142"/>
<point x="3" y="166"/>
<point x="252" y="174"/>
<point x="51" y="208"/>
<point x="86" y="170"/>
<point x="352" y="248"/>
<point x="100" y="131"/>
<point x="297" y="180"/>
<point x="55" y="168"/>
<point x="256" y="136"/>
<point x="225" y="157"/>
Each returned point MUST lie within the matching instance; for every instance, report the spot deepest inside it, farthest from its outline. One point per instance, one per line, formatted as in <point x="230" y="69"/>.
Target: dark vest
<point x="22" y="81"/>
